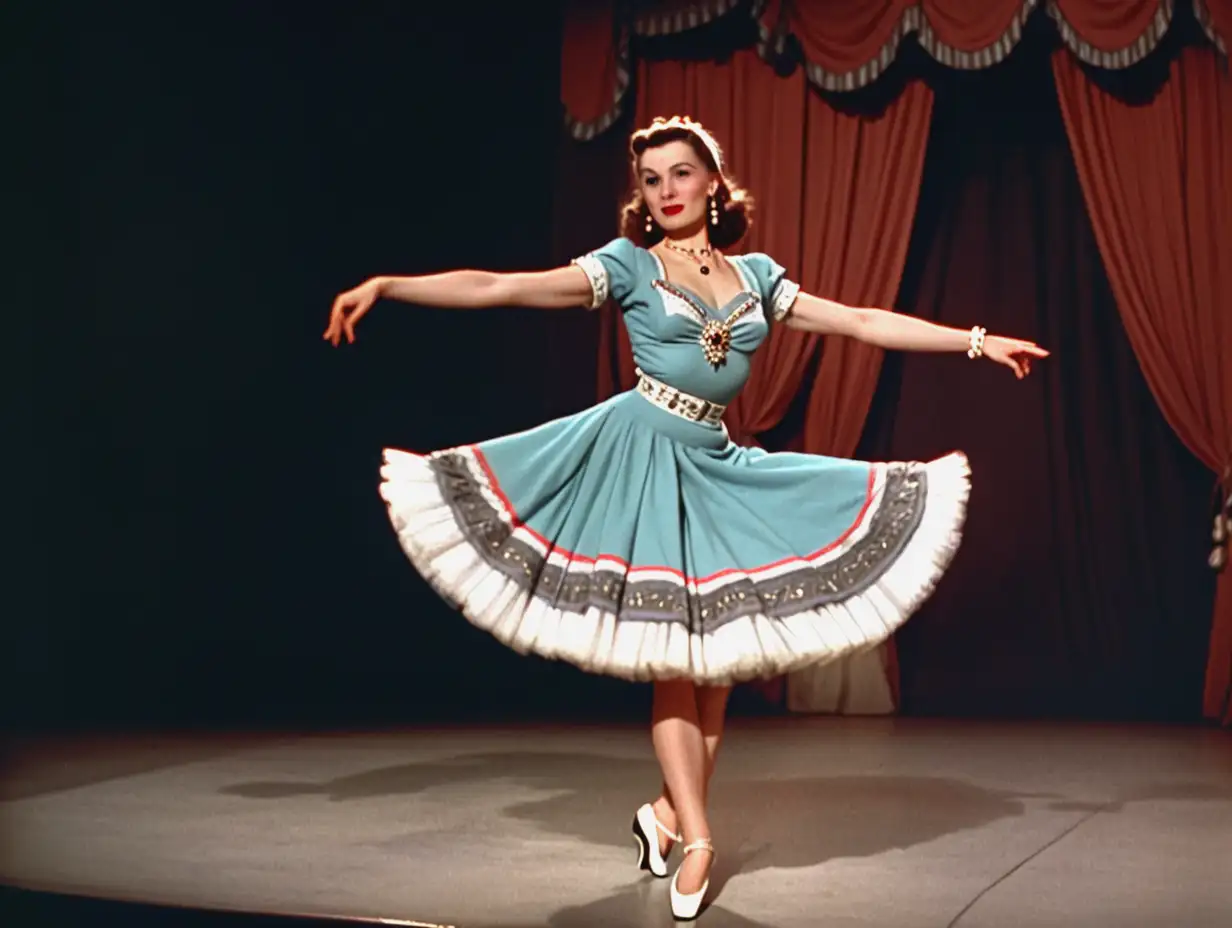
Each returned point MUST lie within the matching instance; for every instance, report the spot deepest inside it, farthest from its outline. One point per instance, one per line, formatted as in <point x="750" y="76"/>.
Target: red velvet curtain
<point x="1081" y="587"/>
<point x="593" y="66"/>
<point x="1157" y="179"/>
<point x="1215" y="18"/>
<point x="851" y="42"/>
<point x="848" y="44"/>
<point x="839" y="216"/>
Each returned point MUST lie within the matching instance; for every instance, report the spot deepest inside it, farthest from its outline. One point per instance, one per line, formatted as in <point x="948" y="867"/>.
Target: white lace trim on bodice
<point x="676" y="305"/>
<point x="782" y="300"/>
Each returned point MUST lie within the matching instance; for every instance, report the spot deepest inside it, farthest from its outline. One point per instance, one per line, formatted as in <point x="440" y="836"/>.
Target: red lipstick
<point x="672" y="210"/>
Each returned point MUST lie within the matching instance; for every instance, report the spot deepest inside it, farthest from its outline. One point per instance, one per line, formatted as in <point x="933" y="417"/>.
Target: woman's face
<point x="675" y="185"/>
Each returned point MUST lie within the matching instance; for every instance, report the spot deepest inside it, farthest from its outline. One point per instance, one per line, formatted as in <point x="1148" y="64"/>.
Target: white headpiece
<point x="696" y="128"/>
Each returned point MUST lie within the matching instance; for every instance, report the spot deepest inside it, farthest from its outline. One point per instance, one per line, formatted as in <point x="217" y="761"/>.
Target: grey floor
<point x="819" y="822"/>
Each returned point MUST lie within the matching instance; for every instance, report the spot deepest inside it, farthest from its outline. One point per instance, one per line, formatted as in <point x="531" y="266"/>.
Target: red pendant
<point x="716" y="341"/>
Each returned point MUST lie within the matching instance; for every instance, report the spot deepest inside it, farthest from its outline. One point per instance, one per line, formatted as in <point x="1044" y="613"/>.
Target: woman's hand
<point x="349" y="308"/>
<point x="1014" y="353"/>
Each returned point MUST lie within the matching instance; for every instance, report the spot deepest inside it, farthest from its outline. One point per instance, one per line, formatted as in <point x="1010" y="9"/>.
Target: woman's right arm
<point x="560" y="288"/>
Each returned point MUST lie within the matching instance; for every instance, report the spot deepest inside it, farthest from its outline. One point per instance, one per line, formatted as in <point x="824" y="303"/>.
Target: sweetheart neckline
<point x="743" y="294"/>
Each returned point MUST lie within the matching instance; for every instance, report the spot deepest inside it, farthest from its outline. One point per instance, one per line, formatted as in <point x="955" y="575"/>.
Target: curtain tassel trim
<point x="773" y="43"/>
<point x="1203" y="15"/>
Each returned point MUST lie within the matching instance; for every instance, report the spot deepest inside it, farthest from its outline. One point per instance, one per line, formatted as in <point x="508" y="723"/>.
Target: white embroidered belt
<point x="679" y="403"/>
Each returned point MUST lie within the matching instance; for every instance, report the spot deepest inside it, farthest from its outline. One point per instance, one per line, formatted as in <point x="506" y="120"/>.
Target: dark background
<point x="200" y="538"/>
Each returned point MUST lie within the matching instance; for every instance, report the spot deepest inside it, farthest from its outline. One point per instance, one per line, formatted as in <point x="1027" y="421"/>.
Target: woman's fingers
<point x="361" y="307"/>
<point x="339" y="322"/>
<point x="334" y="329"/>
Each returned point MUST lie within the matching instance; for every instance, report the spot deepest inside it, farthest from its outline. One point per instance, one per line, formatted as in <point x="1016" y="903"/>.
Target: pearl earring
<point x="714" y="212"/>
<point x="649" y="222"/>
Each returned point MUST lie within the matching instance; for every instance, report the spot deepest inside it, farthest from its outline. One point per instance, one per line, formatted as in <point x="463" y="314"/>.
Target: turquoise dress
<point x="635" y="543"/>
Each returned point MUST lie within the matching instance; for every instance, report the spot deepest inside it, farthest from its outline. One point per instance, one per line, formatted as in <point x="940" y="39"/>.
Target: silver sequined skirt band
<point x="609" y="588"/>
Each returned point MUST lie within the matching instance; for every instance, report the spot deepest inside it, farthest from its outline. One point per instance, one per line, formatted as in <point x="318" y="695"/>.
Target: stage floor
<point x="818" y="822"/>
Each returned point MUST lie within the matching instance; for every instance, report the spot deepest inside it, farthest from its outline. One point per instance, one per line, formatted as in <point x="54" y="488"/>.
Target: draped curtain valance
<point x="844" y="45"/>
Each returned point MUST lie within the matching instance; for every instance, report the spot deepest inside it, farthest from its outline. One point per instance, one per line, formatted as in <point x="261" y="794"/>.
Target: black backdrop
<point x="200" y="537"/>
<point x="206" y="542"/>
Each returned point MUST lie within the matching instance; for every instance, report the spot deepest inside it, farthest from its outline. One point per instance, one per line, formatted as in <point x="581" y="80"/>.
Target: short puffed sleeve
<point x="778" y="291"/>
<point x="612" y="271"/>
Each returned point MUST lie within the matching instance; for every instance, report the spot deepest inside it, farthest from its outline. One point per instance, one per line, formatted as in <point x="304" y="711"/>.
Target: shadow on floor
<point x="758" y="823"/>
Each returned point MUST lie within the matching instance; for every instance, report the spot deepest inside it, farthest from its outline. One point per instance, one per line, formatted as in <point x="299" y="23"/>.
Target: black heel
<point x="646" y="827"/>
<point x="643" y="845"/>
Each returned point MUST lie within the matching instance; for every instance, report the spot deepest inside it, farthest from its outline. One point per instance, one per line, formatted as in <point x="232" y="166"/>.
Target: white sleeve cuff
<point x="597" y="274"/>
<point x="783" y="298"/>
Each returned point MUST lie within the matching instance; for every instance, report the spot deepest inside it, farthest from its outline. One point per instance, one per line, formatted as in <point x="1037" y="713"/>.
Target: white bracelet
<point x="977" y="342"/>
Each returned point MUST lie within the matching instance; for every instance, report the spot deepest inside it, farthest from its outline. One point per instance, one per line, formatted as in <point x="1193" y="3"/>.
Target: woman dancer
<point x="635" y="538"/>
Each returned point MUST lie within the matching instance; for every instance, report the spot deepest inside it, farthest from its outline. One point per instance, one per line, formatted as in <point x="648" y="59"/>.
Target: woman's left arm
<point x="898" y="332"/>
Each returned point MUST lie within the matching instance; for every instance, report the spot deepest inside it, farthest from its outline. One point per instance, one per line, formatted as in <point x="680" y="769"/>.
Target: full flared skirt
<point x="632" y="543"/>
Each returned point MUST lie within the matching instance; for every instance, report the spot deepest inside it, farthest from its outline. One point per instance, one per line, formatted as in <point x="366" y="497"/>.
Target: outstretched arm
<point x="899" y="332"/>
<point x="559" y="288"/>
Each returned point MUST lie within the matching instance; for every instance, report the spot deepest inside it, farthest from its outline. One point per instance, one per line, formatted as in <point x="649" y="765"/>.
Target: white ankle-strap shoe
<point x="686" y="907"/>
<point x="646" y="826"/>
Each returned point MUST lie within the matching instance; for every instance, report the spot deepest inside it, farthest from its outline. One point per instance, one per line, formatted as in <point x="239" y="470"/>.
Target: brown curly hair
<point x="735" y="204"/>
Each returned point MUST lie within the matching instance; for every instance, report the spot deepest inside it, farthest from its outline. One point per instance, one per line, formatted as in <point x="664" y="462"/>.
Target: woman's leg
<point x="686" y="755"/>
<point x="711" y="713"/>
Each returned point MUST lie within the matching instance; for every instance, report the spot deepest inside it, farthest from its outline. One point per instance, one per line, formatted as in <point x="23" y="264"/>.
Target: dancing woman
<point x="634" y="538"/>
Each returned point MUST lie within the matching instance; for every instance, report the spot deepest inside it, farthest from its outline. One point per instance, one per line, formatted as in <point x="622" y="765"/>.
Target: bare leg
<point x="686" y="754"/>
<point x="711" y="713"/>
